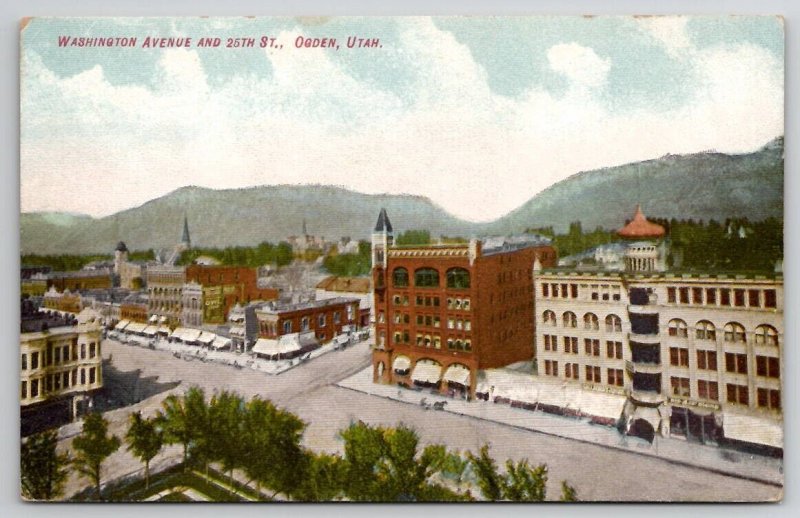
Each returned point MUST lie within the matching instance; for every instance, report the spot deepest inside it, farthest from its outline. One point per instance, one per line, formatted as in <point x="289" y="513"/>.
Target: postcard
<point x="402" y="259"/>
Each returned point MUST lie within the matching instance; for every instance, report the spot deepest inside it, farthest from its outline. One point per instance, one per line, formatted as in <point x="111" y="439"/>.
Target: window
<point x="613" y="324"/>
<point x="738" y="298"/>
<point x="754" y="298"/>
<point x="92" y="377"/>
<point x="397" y="337"/>
<point x="680" y="386"/>
<point x="400" y="278"/>
<point x="615" y="377"/>
<point x="593" y="374"/>
<point x="23" y="390"/>
<point x="711" y="296"/>
<point x="396" y="300"/>
<point x="707" y="360"/>
<point x="725" y="297"/>
<point x="574" y="292"/>
<point x="571" y="344"/>
<point x="708" y="390"/>
<point x="679" y="356"/>
<point x="684" y="295"/>
<point x="550" y="343"/>
<point x="92" y="350"/>
<point x="770" y="299"/>
<point x="321" y="320"/>
<point x="551" y="368"/>
<point x="569" y="319"/>
<point x="337" y="317"/>
<point x="74" y="377"/>
<point x="677" y="327"/>
<point x="304" y="322"/>
<point x="768" y="366"/>
<point x="57" y="355"/>
<point x="614" y="350"/>
<point x="769" y="398"/>
<point x="571" y="370"/>
<point x="457" y="278"/>
<point x="671" y="295"/>
<point x="734" y="332"/>
<point x="24" y="362"/>
<point x="287" y="327"/>
<point x="697" y="295"/>
<point x="591" y="347"/>
<point x="467" y="324"/>
<point x="737" y="394"/>
<point x="545" y="290"/>
<point x="736" y="363"/>
<point x="705" y="330"/>
<point x="34" y="388"/>
<point x="766" y="335"/>
<point x="590" y="321"/>
<point x="34" y="360"/>
<point x="549" y="318"/>
<point x="426" y="278"/>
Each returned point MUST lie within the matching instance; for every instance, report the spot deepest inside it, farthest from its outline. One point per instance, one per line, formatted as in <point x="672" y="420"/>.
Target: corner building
<point x="444" y="312"/>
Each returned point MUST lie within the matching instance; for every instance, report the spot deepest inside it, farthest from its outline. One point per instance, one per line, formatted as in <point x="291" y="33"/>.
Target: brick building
<point x="443" y="312"/>
<point x="80" y="280"/>
<point x="225" y="286"/>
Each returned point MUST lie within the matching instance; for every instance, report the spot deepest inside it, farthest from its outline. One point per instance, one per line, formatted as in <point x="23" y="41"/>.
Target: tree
<point x="145" y="441"/>
<point x="182" y="419"/>
<point x="323" y="478"/>
<point x="224" y="432"/>
<point x="489" y="480"/>
<point x="43" y="470"/>
<point x="568" y="493"/>
<point x="93" y="447"/>
<point x="520" y="483"/>
<point x="414" y="237"/>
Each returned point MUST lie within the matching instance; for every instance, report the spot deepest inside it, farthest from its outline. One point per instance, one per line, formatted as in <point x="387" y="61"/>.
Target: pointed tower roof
<point x="639" y="227"/>
<point x="185" y="237"/>
<point x="121" y="247"/>
<point x="383" y="224"/>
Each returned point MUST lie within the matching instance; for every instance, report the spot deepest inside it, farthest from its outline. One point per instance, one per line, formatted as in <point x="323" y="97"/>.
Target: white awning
<point x="457" y="374"/>
<point x="267" y="347"/>
<point x="150" y="330"/>
<point x="135" y="327"/>
<point x="163" y="330"/>
<point x="401" y="363"/>
<point x="754" y="430"/>
<point x="178" y="333"/>
<point x="122" y="324"/>
<point x="601" y="404"/>
<point x="206" y="337"/>
<point x="426" y="372"/>
<point x="286" y="344"/>
<point x="221" y="342"/>
<point x="190" y="335"/>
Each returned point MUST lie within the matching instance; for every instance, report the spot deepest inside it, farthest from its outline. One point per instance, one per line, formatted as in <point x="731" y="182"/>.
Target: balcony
<point x="646" y="397"/>
<point x="647" y="339"/>
<point x="643" y="368"/>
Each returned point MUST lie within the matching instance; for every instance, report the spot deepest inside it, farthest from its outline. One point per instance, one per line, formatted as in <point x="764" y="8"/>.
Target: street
<point x="598" y="473"/>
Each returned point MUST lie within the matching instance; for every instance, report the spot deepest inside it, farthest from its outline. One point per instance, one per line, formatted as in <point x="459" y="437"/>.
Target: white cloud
<point x="579" y="64"/>
<point x="668" y="31"/>
<point x="476" y="153"/>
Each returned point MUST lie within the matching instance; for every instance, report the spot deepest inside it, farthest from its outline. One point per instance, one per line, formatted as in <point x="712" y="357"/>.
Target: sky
<point x="477" y="113"/>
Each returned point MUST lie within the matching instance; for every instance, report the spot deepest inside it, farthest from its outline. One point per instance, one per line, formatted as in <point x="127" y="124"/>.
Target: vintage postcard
<point x="402" y="259"/>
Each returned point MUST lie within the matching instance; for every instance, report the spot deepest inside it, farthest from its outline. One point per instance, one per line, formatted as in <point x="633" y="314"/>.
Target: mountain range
<point x="702" y="186"/>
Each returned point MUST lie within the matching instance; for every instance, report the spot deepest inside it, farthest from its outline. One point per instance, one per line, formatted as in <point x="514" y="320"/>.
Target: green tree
<point x="490" y="482"/>
<point x="524" y="483"/>
<point x="414" y="237"/>
<point x="93" y="447"/>
<point x="182" y="419"/>
<point x="323" y="478"/>
<point x="145" y="440"/>
<point x="224" y="432"/>
<point x="43" y="470"/>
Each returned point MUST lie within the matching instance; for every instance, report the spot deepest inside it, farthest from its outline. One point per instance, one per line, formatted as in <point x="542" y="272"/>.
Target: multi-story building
<point x="243" y="326"/>
<point x="80" y="280"/>
<point x="225" y="286"/>
<point x="60" y="362"/>
<point x="192" y="312"/>
<point x="359" y="287"/>
<point x="291" y="329"/>
<point x="444" y="312"/>
<point x="131" y="274"/>
<point x="165" y="293"/>
<point x="134" y="308"/>
<point x="693" y="355"/>
<point x="65" y="302"/>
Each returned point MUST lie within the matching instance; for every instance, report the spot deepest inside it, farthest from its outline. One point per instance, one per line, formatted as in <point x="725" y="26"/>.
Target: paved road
<point x="597" y="473"/>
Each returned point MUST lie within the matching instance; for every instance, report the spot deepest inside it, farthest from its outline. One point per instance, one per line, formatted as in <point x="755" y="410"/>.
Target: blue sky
<point x="478" y="114"/>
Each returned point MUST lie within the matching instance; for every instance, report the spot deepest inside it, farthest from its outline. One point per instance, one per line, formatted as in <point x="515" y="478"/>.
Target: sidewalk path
<point x="741" y="465"/>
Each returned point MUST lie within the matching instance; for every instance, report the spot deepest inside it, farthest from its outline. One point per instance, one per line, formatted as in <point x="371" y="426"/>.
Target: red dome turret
<point x="640" y="228"/>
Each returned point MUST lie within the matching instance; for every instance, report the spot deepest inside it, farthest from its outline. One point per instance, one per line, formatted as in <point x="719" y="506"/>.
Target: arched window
<point x="426" y="278"/>
<point x="590" y="321"/>
<point x="400" y="278"/>
<point x="549" y="318"/>
<point x="705" y="330"/>
<point x="569" y="319"/>
<point x="457" y="278"/>
<point x="766" y="335"/>
<point x="677" y="327"/>
<point x="734" y="332"/>
<point x="613" y="324"/>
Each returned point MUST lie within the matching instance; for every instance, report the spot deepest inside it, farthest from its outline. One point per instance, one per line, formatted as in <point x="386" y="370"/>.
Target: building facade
<point x="358" y="287"/>
<point x="225" y="286"/>
<point x="443" y="312"/>
<point x="80" y="280"/>
<point x="165" y="293"/>
<point x="325" y="318"/>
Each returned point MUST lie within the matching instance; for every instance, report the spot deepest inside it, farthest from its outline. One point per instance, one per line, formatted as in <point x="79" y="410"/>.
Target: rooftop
<point x="347" y="284"/>
<point x="639" y="227"/>
<point x="275" y="308"/>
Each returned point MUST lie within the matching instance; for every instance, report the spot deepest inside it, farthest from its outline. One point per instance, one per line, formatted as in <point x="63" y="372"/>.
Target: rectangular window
<point x="680" y="386"/>
<point x="92" y="351"/>
<point x="23" y="390"/>
<point x="92" y="378"/>
<point x="321" y="320"/>
<point x="707" y="360"/>
<point x="551" y="368"/>
<point x="615" y="377"/>
<point x="737" y="394"/>
<point x="49" y="358"/>
<point x="754" y="298"/>
<point x="679" y="356"/>
<point x="768" y="366"/>
<point x="74" y="377"/>
<point x="574" y="290"/>
<point x="738" y="298"/>
<point x="684" y="292"/>
<point x="24" y="362"/>
<point x="707" y="390"/>
<point x="34" y="388"/>
<point x="83" y="351"/>
<point x="697" y="295"/>
<point x="725" y="297"/>
<point x="57" y="355"/>
<point x="545" y="290"/>
<point x="769" y="398"/>
<point x="593" y="374"/>
<point x="770" y="300"/>
<point x="34" y="360"/>
<point x="736" y="363"/>
<point x="711" y="296"/>
<point x="671" y="295"/>
<point x="337" y="317"/>
<point x="564" y="291"/>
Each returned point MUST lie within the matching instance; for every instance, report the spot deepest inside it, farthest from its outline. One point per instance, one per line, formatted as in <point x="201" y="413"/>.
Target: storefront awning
<point x="163" y="330"/>
<point x="135" y="327"/>
<point x="122" y="324"/>
<point x="206" y="338"/>
<point x="649" y="414"/>
<point x="754" y="430"/>
<point x="426" y="372"/>
<point x="149" y="330"/>
<point x="601" y="404"/>
<point x="401" y="363"/>
<point x="457" y="374"/>
<point x="190" y="335"/>
<point x="178" y="333"/>
<point x="221" y="342"/>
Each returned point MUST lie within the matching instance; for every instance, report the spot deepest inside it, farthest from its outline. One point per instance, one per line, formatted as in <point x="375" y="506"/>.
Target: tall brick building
<point x="443" y="312"/>
<point x="226" y="286"/>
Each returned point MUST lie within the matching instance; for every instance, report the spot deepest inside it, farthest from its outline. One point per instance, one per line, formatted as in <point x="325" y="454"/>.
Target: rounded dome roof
<point x="121" y="247"/>
<point x="639" y="227"/>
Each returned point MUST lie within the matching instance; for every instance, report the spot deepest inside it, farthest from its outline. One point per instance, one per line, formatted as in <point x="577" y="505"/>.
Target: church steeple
<point x="305" y="229"/>
<point x="185" y="240"/>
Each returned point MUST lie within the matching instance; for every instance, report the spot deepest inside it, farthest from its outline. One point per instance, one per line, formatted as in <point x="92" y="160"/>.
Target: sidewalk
<point x="742" y="465"/>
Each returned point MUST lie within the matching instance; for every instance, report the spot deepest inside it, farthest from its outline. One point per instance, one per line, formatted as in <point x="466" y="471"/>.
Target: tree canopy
<point x="43" y="470"/>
